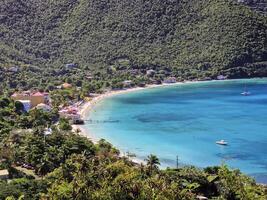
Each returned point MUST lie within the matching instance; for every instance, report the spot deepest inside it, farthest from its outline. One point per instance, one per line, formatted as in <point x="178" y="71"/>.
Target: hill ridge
<point x="192" y="39"/>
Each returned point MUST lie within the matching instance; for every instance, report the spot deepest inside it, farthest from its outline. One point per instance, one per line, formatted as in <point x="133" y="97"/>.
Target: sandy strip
<point x="85" y="108"/>
<point x="88" y="106"/>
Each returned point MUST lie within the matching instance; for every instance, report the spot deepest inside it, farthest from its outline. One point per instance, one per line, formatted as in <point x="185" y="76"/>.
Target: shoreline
<point x="88" y="106"/>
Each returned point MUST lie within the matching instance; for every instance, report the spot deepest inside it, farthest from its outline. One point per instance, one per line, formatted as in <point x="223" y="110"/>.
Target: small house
<point x="141" y="84"/>
<point x="155" y="82"/>
<point x="26" y="105"/>
<point x="72" y="114"/>
<point x="169" y="80"/>
<point x="14" y="69"/>
<point x="206" y="79"/>
<point x="35" y="98"/>
<point x="4" y="174"/>
<point x="44" y="107"/>
<point x="127" y="83"/>
<point x="66" y="85"/>
<point x="89" y="77"/>
<point x="221" y="77"/>
<point x="150" y="72"/>
<point x="71" y="65"/>
<point x="48" y="131"/>
<point x="200" y="197"/>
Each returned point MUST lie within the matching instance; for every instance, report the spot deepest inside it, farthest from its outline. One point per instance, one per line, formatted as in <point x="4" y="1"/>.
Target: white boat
<point x="221" y="142"/>
<point x="246" y="92"/>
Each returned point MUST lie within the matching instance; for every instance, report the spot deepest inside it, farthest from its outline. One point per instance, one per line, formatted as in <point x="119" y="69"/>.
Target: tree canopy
<point x="113" y="40"/>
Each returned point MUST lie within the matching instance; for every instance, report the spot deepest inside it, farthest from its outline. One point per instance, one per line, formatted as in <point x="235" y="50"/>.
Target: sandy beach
<point x="88" y="106"/>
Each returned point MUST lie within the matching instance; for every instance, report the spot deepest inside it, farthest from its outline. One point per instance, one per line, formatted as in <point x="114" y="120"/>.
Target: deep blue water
<point x="186" y="120"/>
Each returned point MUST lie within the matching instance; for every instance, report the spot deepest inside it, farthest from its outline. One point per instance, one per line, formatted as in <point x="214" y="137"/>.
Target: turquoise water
<point x="186" y="120"/>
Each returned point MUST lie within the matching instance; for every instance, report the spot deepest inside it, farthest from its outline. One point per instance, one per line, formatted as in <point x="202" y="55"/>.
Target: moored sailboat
<point x="246" y="92"/>
<point x="222" y="142"/>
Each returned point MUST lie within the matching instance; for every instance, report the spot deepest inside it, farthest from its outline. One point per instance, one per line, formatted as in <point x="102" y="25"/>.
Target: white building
<point x="170" y="80"/>
<point x="4" y="174"/>
<point x="26" y="104"/>
<point x="221" y="77"/>
<point x="44" y="107"/>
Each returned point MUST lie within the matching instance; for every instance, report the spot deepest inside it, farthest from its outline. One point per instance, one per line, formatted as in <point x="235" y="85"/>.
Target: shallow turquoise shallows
<point x="186" y="120"/>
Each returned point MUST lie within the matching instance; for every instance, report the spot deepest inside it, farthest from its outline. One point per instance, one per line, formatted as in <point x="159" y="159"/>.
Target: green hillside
<point x="193" y="39"/>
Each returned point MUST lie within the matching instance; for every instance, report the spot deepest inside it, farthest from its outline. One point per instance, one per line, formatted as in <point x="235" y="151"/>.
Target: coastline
<point x="88" y="106"/>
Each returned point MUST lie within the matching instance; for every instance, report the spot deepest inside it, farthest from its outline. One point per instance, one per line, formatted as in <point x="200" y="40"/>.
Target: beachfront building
<point x="4" y="174"/>
<point x="71" y="65"/>
<point x="200" y="197"/>
<point x="155" y="82"/>
<point x="127" y="83"/>
<point x="150" y="72"/>
<point x="169" y="80"/>
<point x="26" y="104"/>
<point x="66" y="86"/>
<point x="13" y="69"/>
<point x="43" y="107"/>
<point x="221" y="77"/>
<point x="71" y="113"/>
<point x="34" y="98"/>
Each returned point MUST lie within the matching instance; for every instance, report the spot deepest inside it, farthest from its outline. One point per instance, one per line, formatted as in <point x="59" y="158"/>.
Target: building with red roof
<point x="35" y="98"/>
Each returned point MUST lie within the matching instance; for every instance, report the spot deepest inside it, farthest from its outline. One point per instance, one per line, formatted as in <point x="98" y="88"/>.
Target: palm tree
<point x="152" y="162"/>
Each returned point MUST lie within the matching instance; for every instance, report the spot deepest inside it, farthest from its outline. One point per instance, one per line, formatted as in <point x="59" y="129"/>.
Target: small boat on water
<point x="221" y="142"/>
<point x="246" y="92"/>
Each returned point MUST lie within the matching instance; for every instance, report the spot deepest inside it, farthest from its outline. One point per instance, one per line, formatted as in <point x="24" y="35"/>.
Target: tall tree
<point x="152" y="163"/>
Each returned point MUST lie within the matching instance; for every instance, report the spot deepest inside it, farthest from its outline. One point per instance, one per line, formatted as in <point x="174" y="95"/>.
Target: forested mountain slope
<point x="258" y="5"/>
<point x="194" y="38"/>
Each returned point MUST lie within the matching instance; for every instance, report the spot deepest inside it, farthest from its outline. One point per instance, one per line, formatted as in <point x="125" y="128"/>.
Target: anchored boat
<point x="221" y="142"/>
<point x="246" y="92"/>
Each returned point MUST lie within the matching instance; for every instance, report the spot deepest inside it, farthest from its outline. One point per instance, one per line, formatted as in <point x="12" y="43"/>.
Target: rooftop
<point x="66" y="85"/>
<point x="4" y="172"/>
<point x="38" y="94"/>
<point x="29" y="93"/>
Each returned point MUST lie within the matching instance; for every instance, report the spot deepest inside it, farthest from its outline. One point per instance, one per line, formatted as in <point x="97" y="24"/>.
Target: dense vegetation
<point x="67" y="166"/>
<point x="108" y="42"/>
<point x="113" y="41"/>
<point x="258" y="5"/>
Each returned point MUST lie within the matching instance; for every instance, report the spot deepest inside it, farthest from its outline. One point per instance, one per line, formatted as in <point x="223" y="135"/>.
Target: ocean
<point x="186" y="120"/>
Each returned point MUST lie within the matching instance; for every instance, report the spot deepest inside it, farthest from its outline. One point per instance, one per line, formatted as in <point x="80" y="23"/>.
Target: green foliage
<point x="152" y="163"/>
<point x="113" y="41"/>
<point x="13" y="116"/>
<point x="234" y="185"/>
<point x="64" y="125"/>
<point x="73" y="167"/>
<point x="29" y="189"/>
<point x="61" y="191"/>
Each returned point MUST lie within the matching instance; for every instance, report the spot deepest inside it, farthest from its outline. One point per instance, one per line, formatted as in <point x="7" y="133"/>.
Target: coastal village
<point x="35" y="99"/>
<point x="125" y="99"/>
<point x="72" y="110"/>
<point x="41" y="100"/>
